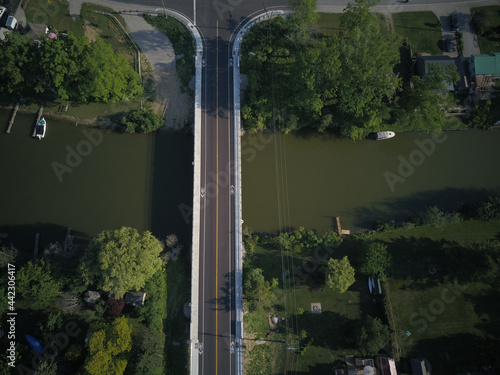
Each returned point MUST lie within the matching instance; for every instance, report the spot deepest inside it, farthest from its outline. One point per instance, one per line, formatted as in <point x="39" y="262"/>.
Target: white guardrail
<point x="238" y="237"/>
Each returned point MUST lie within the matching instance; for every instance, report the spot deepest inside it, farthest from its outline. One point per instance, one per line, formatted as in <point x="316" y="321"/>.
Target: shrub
<point x="115" y="306"/>
<point x="141" y="120"/>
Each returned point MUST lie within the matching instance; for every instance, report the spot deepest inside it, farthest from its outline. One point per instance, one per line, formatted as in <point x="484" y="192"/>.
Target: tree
<point x="17" y="56"/>
<point x="120" y="260"/>
<point x="154" y="311"/>
<point x="375" y="259"/>
<point x="339" y="274"/>
<point x="480" y="116"/>
<point x="151" y="353"/>
<point x="141" y="120"/>
<point x="256" y="288"/>
<point x="304" y="15"/>
<point x="60" y="66"/>
<point x="7" y="255"/>
<point x="37" y="281"/>
<point x="107" y="345"/>
<point x="367" y="61"/>
<point x="423" y="105"/>
<point x="108" y="75"/>
<point x="115" y="306"/>
<point x="488" y="209"/>
<point x="372" y="336"/>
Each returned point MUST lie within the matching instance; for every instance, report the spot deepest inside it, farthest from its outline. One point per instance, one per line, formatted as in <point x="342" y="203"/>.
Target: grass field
<point x="490" y="43"/>
<point x="332" y="331"/>
<point x="460" y="314"/>
<point x="452" y="326"/>
<point x="419" y="28"/>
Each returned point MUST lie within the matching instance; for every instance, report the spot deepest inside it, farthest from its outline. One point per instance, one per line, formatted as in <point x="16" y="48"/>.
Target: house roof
<point x="424" y="63"/>
<point x="135" y="298"/>
<point x="387" y="366"/>
<point x="487" y="64"/>
<point x="418" y="367"/>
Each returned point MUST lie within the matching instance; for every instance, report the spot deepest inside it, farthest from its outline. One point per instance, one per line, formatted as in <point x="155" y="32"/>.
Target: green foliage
<point x="303" y="16"/>
<point x="437" y="218"/>
<point x="151" y="348"/>
<point x="37" y="281"/>
<point x="154" y="311"/>
<point x="421" y="107"/>
<point x="182" y="41"/>
<point x="52" y="322"/>
<point x="373" y="335"/>
<point x="488" y="209"/>
<point x="120" y="260"/>
<point x="301" y="239"/>
<point x="47" y="368"/>
<point x="108" y="75"/>
<point x="17" y="54"/>
<point x="479" y="118"/>
<point x="7" y="255"/>
<point x="375" y="259"/>
<point x="71" y="67"/>
<point x="257" y="290"/>
<point x="339" y="274"/>
<point x="141" y="120"/>
<point x="107" y="347"/>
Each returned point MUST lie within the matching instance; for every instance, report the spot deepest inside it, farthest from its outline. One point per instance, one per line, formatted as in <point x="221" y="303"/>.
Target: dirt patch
<point x="90" y="31"/>
<point x="175" y="106"/>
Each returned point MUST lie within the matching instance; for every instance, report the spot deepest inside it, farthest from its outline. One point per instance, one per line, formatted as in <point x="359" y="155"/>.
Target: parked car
<point x="2" y="11"/>
<point x="449" y="45"/>
<point x="11" y="23"/>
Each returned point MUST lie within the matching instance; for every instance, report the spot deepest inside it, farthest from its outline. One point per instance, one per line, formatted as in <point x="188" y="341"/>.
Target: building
<point x="135" y="298"/>
<point x="486" y="69"/>
<point x="360" y="366"/>
<point x="422" y="66"/>
<point x="418" y="367"/>
<point x="386" y="365"/>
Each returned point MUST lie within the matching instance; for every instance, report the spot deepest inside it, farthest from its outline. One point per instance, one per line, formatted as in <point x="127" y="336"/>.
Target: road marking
<point x="217" y="200"/>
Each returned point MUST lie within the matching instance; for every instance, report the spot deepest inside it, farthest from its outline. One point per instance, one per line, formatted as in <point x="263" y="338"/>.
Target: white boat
<point x="41" y="127"/>
<point x="383" y="135"/>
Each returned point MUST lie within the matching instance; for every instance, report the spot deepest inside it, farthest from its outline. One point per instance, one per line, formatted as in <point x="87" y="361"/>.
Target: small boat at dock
<point x="378" y="136"/>
<point x="40" y="128"/>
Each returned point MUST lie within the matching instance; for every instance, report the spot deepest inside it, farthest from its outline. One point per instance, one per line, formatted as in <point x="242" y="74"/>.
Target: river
<point x="89" y="180"/>
<point x="307" y="179"/>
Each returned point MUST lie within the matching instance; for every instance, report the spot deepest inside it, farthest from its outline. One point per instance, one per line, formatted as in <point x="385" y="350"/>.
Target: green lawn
<point x="450" y="326"/>
<point x="54" y="15"/>
<point x="419" y="28"/>
<point x="332" y="331"/>
<point x="489" y="43"/>
<point x="329" y="24"/>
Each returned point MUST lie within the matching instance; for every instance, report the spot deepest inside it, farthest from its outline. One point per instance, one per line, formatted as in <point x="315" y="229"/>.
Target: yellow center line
<point x="217" y="198"/>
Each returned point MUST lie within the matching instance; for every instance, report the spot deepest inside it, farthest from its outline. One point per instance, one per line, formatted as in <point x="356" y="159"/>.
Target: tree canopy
<point x="141" y="120"/>
<point x="69" y="67"/>
<point x="120" y="260"/>
<point x="375" y="259"/>
<point x="257" y="289"/>
<point x="372" y="336"/>
<point x="107" y="345"/>
<point x="37" y="281"/>
<point x="339" y="274"/>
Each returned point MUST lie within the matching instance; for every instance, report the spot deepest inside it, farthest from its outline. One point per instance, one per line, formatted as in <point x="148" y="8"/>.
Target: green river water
<point x="308" y="180"/>
<point x="92" y="180"/>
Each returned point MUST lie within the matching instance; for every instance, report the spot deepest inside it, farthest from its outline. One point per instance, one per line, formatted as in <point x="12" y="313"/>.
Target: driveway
<point x="160" y="54"/>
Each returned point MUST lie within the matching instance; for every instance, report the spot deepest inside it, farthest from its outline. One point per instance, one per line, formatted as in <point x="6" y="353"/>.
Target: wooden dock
<point x="13" y="117"/>
<point x="339" y="228"/>
<point x="40" y="113"/>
